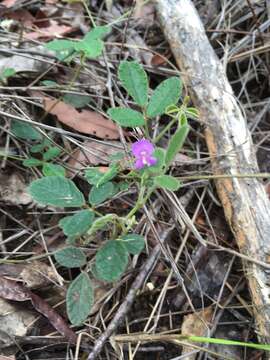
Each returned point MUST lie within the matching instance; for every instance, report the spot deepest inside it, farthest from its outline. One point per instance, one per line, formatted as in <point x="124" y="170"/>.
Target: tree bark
<point x="245" y="201"/>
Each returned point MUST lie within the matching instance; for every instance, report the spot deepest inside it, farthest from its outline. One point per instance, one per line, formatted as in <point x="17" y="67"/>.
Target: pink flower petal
<point x="142" y="146"/>
<point x="139" y="164"/>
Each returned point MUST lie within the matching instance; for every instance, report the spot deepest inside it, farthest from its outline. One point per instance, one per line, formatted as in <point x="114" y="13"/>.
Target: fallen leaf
<point x="86" y="122"/>
<point x="93" y="153"/>
<point x="11" y="290"/>
<point x="13" y="189"/>
<point x="38" y="274"/>
<point x="13" y="322"/>
<point x="21" y="63"/>
<point x="9" y="3"/>
<point x="23" y="16"/>
<point x="158" y="60"/>
<point x="52" y="31"/>
<point x="195" y="324"/>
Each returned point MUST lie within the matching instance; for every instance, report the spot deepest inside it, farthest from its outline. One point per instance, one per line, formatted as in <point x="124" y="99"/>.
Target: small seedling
<point x="149" y="168"/>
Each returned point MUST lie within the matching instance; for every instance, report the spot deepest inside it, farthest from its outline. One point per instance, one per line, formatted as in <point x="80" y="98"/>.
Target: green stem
<point x="140" y="202"/>
<point x="89" y="13"/>
<point x="163" y="132"/>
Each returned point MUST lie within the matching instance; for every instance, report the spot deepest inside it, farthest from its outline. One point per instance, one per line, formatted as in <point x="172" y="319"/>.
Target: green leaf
<point x="77" y="101"/>
<point x="51" y="153"/>
<point x="134" y="243"/>
<point x="108" y="175"/>
<point x="32" y="162"/>
<point x="60" y="45"/>
<point x="63" y="49"/>
<point x="126" y="117"/>
<point x="97" y="33"/>
<point x="167" y="182"/>
<point x="101" y="222"/>
<point x="56" y="191"/>
<point x="70" y="257"/>
<point x="134" y="80"/>
<point x="192" y="113"/>
<point x="123" y="186"/>
<point x="40" y="147"/>
<point x="176" y="143"/>
<point x="99" y="194"/>
<point x="93" y="175"/>
<point x="49" y="83"/>
<point x="80" y="298"/>
<point x="49" y="169"/>
<point x="111" y="261"/>
<point x="24" y="131"/>
<point x="77" y="224"/>
<point x="167" y="93"/>
<point x="92" y="48"/>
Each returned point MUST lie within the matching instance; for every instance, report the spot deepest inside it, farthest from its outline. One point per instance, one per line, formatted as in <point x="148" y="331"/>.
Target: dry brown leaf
<point x="38" y="274"/>
<point x="86" y="122"/>
<point x="52" y="31"/>
<point x="23" y="16"/>
<point x="195" y="324"/>
<point x="159" y="59"/>
<point x="9" y="3"/>
<point x="93" y="153"/>
<point x="13" y="322"/>
<point x="13" y="189"/>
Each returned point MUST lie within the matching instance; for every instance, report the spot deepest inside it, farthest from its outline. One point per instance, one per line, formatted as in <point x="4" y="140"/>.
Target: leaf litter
<point x="85" y="121"/>
<point x="133" y="38"/>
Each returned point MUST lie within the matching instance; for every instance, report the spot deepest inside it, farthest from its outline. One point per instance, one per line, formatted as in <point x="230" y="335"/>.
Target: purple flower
<point x="143" y="151"/>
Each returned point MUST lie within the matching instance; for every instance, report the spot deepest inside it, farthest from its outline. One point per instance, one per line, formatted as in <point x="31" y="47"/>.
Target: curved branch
<point x="245" y="202"/>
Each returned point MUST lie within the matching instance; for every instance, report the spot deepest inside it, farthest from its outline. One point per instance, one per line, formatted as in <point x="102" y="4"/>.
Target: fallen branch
<point x="244" y="200"/>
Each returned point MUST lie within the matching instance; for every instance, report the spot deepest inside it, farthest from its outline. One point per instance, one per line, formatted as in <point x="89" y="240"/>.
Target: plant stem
<point x="140" y="202"/>
<point x="89" y="13"/>
<point x="167" y="128"/>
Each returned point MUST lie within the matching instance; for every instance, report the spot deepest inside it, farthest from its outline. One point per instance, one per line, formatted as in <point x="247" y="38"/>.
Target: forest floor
<point x="58" y="107"/>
